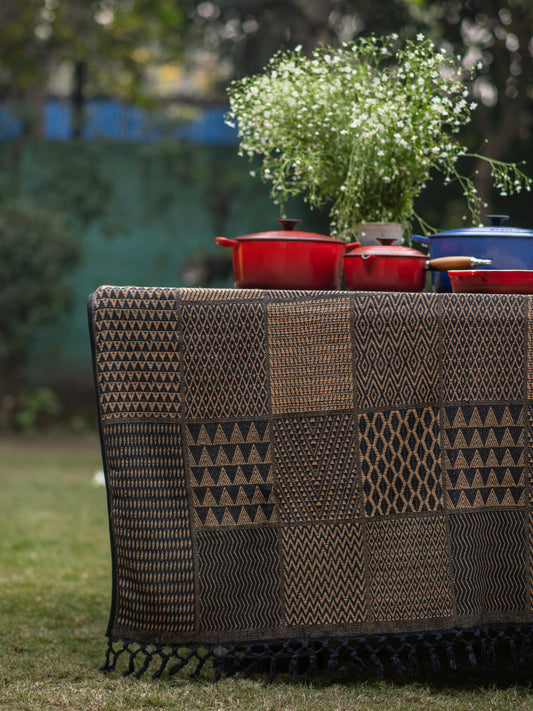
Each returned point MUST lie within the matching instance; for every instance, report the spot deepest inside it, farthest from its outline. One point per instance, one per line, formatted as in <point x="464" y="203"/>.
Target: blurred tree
<point x="498" y="36"/>
<point x="37" y="254"/>
<point x="107" y="43"/>
<point x="248" y="32"/>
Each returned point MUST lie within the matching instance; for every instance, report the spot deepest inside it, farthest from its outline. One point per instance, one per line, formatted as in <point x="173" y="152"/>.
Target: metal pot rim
<point x="393" y="252"/>
<point x="486" y="232"/>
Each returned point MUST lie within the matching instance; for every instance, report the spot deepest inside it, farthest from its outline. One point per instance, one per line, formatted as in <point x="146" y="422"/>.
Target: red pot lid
<point x="288" y="234"/>
<point x="385" y="249"/>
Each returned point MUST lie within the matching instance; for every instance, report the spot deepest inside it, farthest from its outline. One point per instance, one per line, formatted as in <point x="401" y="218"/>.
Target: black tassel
<point x="273" y="668"/>
<point x="333" y="660"/>
<point x="313" y="664"/>
<point x="470" y="654"/>
<point x="452" y="661"/>
<point x="435" y="662"/>
<point x="109" y="665"/>
<point x="165" y="658"/>
<point x="293" y="665"/>
<point x="414" y="665"/>
<point x="147" y="659"/>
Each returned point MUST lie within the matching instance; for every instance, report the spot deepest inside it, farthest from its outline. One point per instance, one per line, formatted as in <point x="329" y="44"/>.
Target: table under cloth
<point x="312" y="476"/>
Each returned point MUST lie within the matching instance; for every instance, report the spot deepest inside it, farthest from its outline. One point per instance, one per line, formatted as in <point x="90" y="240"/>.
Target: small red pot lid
<point x="385" y="249"/>
<point x="288" y="234"/>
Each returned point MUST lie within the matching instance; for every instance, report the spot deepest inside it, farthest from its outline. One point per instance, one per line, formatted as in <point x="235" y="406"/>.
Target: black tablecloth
<point x="297" y="474"/>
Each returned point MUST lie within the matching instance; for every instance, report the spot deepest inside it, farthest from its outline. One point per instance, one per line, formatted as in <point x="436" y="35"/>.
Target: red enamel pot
<point x="286" y="259"/>
<point x="385" y="267"/>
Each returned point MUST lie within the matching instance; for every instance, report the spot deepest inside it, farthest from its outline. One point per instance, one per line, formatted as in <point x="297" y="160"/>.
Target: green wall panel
<point x="142" y="213"/>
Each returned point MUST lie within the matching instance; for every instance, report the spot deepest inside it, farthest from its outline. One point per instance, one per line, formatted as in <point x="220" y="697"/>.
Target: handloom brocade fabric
<point x="284" y="467"/>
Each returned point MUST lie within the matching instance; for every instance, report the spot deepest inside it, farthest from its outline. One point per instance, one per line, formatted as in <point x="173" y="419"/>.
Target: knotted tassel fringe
<point x="371" y="654"/>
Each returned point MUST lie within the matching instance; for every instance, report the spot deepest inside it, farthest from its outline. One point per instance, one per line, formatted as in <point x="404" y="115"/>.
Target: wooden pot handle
<point x="444" y="264"/>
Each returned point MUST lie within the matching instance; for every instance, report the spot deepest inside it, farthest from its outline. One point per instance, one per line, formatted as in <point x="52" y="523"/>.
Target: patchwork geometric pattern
<point x="286" y="466"/>
<point x="400" y="461"/>
<point x="396" y="349"/>
<point x="231" y="473"/>
<point x="323" y="574"/>
<point x="238" y="579"/>
<point x="224" y="366"/>
<point x="484" y="456"/>
<point x="409" y="568"/>
<point x="483" y="347"/>
<point x="310" y="353"/>
<point x="133" y="331"/>
<point x="488" y="552"/>
<point x="316" y="465"/>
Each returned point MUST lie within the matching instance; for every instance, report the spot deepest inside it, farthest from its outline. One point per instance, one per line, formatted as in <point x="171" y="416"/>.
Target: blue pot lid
<point x="495" y="229"/>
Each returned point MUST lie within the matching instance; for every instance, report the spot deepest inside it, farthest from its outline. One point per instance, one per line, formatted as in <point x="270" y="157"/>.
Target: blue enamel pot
<point x="507" y="247"/>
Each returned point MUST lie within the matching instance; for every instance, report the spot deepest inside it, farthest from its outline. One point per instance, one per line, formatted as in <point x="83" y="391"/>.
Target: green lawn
<point x="54" y="602"/>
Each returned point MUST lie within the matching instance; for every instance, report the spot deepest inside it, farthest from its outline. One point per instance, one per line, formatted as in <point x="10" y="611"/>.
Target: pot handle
<point x="288" y="224"/>
<point x="496" y="220"/>
<point x="422" y="239"/>
<point x="352" y="245"/>
<point x="443" y="264"/>
<point x="225" y="242"/>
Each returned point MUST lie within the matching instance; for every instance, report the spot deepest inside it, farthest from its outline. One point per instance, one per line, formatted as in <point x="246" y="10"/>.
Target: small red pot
<point x="286" y="259"/>
<point x="385" y="267"/>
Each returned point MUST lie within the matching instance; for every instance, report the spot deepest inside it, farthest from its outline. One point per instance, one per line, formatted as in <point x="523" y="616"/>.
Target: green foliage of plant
<point x="37" y="252"/>
<point x="362" y="127"/>
<point x="33" y="406"/>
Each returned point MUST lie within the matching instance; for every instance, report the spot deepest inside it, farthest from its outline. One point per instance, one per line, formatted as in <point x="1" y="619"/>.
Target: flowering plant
<point x="361" y="128"/>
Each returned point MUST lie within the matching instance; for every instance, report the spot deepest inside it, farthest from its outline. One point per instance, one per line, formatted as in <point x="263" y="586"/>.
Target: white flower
<point x="369" y="136"/>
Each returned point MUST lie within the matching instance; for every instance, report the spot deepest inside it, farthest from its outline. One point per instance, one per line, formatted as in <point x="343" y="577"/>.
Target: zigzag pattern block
<point x="238" y="579"/>
<point x="323" y="574"/>
<point x="488" y="551"/>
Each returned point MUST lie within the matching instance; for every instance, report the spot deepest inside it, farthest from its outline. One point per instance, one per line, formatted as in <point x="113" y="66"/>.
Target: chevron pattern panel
<point x="134" y="331"/>
<point x="488" y="551"/>
<point x="145" y="477"/>
<point x="238" y="579"/>
<point x="483" y="347"/>
<point x="400" y="461"/>
<point x="224" y="372"/>
<point x="316" y="465"/>
<point x="310" y="355"/>
<point x="409" y="568"/>
<point x="396" y="349"/>
<point x="484" y="456"/>
<point x="323" y="574"/>
<point x="231" y="473"/>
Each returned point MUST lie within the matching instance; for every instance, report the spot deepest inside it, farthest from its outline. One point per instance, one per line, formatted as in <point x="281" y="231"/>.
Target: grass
<point x="55" y="594"/>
